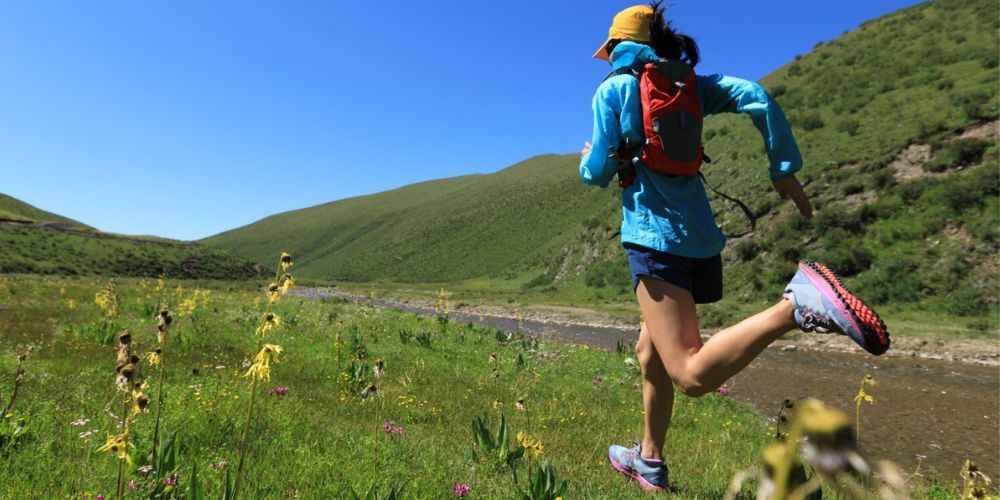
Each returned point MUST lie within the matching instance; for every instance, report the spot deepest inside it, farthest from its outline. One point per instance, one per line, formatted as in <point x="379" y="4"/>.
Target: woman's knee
<point x="692" y="385"/>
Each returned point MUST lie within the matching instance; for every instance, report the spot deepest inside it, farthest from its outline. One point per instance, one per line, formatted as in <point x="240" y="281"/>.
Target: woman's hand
<point x="585" y="151"/>
<point x="789" y="187"/>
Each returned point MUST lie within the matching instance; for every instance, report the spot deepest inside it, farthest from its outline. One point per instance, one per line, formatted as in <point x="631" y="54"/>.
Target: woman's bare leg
<point x="657" y="397"/>
<point x="672" y="320"/>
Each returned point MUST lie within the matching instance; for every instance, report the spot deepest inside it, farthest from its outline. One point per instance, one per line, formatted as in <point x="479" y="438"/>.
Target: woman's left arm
<point x="725" y="94"/>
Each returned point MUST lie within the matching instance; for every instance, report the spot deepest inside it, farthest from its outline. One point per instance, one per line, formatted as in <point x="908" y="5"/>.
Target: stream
<point x="927" y="412"/>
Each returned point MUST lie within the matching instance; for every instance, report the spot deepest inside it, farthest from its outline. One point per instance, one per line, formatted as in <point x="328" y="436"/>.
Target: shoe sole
<point x="873" y="330"/>
<point x="646" y="485"/>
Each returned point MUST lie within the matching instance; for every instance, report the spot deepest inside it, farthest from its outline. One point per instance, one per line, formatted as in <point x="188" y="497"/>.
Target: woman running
<point x="673" y="244"/>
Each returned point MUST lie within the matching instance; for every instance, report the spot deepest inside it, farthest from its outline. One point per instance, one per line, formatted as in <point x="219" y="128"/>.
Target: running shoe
<point x="823" y="304"/>
<point x="652" y="475"/>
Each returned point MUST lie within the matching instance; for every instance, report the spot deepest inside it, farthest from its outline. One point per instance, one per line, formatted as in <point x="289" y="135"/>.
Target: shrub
<point x="975" y="103"/>
<point x="849" y="127"/>
<point x="967" y="302"/>
<point x="811" y="120"/>
<point x="747" y="250"/>
<point x="957" y="153"/>
<point x="882" y="178"/>
<point x="853" y="186"/>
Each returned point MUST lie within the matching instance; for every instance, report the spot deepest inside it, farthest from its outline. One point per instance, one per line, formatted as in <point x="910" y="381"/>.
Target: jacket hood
<point x="629" y="54"/>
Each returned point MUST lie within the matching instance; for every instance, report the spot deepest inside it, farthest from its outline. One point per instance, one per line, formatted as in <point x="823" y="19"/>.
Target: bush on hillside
<point x="810" y="120"/>
<point x="976" y="103"/>
<point x="849" y="126"/>
<point x="957" y="153"/>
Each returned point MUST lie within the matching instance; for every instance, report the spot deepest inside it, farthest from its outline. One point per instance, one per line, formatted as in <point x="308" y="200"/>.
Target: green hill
<point x="896" y="121"/>
<point x="35" y="241"/>
<point x="13" y="209"/>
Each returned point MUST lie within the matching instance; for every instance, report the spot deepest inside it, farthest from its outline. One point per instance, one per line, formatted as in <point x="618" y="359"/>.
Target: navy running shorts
<point x="701" y="277"/>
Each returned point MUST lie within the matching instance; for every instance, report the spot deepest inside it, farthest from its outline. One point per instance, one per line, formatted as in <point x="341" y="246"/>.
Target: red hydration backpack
<point x="671" y="117"/>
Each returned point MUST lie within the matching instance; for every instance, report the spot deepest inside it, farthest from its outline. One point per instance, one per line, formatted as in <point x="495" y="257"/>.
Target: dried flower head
<point x="830" y="444"/>
<point x="379" y="368"/>
<point x="286" y="261"/>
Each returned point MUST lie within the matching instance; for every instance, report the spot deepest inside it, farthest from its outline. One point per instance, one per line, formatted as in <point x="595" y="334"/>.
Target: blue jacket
<point x="670" y="213"/>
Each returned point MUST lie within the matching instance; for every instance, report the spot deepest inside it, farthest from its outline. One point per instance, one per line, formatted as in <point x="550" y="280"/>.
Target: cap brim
<point x="602" y="53"/>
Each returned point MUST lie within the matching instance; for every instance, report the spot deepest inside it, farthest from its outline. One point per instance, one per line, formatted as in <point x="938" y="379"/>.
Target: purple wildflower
<point x="222" y="465"/>
<point x="399" y="431"/>
<point x="99" y="496"/>
<point x="278" y="391"/>
<point x="132" y="485"/>
<point x="170" y="481"/>
<point x="723" y="390"/>
<point x="460" y="489"/>
<point x="598" y="379"/>
<point x="635" y="387"/>
<point x="389" y="426"/>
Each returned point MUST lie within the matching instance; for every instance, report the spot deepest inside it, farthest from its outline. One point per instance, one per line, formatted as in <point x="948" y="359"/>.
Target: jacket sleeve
<point x="725" y="94"/>
<point x="613" y="106"/>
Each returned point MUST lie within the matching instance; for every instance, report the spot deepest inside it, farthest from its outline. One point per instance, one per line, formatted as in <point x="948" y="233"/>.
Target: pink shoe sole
<point x="646" y="485"/>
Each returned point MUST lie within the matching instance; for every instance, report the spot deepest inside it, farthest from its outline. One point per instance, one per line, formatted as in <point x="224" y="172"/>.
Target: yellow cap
<point x="629" y="24"/>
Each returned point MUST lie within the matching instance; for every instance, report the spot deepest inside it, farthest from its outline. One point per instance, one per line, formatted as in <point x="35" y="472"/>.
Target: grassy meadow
<point x="319" y="428"/>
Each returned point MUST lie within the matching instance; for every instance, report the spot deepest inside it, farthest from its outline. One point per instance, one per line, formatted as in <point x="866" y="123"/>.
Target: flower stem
<point x="253" y="393"/>
<point x="159" y="406"/>
<point x="243" y="441"/>
<point x="121" y="461"/>
<point x="18" y="376"/>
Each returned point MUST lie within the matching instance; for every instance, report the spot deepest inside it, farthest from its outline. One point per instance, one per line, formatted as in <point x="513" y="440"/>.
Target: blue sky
<point x="187" y="118"/>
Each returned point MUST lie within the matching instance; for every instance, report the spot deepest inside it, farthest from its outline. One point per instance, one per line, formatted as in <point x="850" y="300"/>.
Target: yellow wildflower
<point x="154" y="358"/>
<point x="287" y="284"/>
<point x="273" y="293"/>
<point x="286" y="261"/>
<point x="187" y="307"/>
<point x="270" y="322"/>
<point x="533" y="447"/>
<point x="118" y="445"/>
<point x="261" y="367"/>
<point x="71" y="304"/>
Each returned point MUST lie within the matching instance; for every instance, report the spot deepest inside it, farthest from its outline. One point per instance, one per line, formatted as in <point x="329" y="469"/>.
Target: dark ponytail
<point x="669" y="44"/>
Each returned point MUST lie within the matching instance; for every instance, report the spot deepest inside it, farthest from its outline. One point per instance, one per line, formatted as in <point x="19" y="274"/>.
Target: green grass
<point x="918" y="76"/>
<point x="322" y="440"/>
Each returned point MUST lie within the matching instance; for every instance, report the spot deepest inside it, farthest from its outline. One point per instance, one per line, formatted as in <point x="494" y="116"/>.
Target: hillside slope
<point x="481" y="225"/>
<point x="35" y="241"/>
<point x="13" y="209"/>
<point x="896" y="121"/>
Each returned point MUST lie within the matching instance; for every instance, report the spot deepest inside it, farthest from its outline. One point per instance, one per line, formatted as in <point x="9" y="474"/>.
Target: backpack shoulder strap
<point x="625" y="70"/>
<point x="746" y="210"/>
